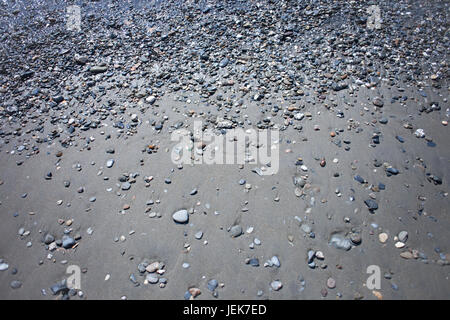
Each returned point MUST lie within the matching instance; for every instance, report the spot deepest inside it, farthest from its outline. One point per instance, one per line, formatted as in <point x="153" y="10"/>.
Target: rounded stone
<point x="276" y="285"/>
<point x="181" y="216"/>
<point x="331" y="283"/>
<point x="403" y="236"/>
<point x="383" y="237"/>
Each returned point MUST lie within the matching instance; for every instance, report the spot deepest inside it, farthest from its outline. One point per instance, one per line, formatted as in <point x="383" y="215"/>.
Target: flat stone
<point x="152" y="278"/>
<point x="152" y="267"/>
<point x="126" y="186"/>
<point x="48" y="239"/>
<point x="371" y="204"/>
<point x="311" y="254"/>
<point x="407" y="255"/>
<point x="382" y="237"/>
<point x="68" y="242"/>
<point x="98" y="69"/>
<point x="109" y="163"/>
<point x="377" y="101"/>
<point x="254" y="262"/>
<point x="403" y="236"/>
<point x="181" y="216"/>
<point x="340" y="242"/>
<point x="212" y="285"/>
<point x="331" y="283"/>
<point x="15" y="284"/>
<point x="276" y="285"/>
<point x="275" y="261"/>
<point x="399" y="244"/>
<point x="236" y="231"/>
<point x="198" y="235"/>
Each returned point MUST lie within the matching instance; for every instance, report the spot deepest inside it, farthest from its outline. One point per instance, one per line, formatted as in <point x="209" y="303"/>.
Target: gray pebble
<point x="181" y="216"/>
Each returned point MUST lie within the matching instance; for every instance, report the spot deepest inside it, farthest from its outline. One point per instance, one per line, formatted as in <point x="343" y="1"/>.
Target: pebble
<point x="340" y="242"/>
<point x="331" y="283"/>
<point x="317" y="72"/>
<point x="15" y="284"/>
<point x="67" y="242"/>
<point x="236" y="231"/>
<point x="275" y="261"/>
<point x="403" y="236"/>
<point x="254" y="262"/>
<point x="276" y="285"/>
<point x="152" y="278"/>
<point x="399" y="244"/>
<point x="383" y="237"/>
<point x="48" y="238"/>
<point x="198" y="235"/>
<point x="126" y="186"/>
<point x="212" y="285"/>
<point x="377" y="101"/>
<point x="181" y="216"/>
<point x="110" y="163"/>
<point x="371" y="204"/>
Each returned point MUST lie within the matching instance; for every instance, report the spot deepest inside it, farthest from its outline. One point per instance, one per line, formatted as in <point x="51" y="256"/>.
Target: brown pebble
<point x="194" y="292"/>
<point x="377" y="294"/>
<point x="407" y="255"/>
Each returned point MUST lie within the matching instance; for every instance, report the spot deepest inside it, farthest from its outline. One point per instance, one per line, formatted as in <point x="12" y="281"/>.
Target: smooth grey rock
<point x="126" y="186"/>
<point x="152" y="278"/>
<point x="212" y="285"/>
<point x="109" y="163"/>
<point x="67" y="242"/>
<point x="15" y="284"/>
<point x="306" y="228"/>
<point x="340" y="242"/>
<point x="48" y="239"/>
<point x="403" y="236"/>
<point x="377" y="101"/>
<point x="198" y="235"/>
<point x="181" y="216"/>
<point x="275" y="261"/>
<point x="371" y="204"/>
<point x="254" y="262"/>
<point x="311" y="254"/>
<point x="98" y="69"/>
<point x="276" y="285"/>
<point x="236" y="231"/>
